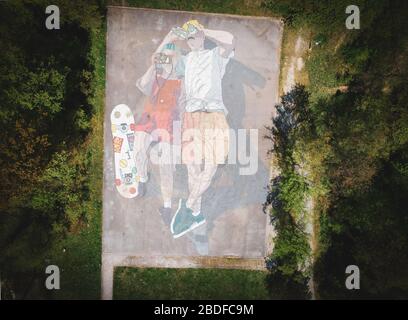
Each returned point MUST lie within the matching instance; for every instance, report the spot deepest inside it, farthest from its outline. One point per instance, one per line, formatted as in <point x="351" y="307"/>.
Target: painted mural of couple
<point x="186" y="87"/>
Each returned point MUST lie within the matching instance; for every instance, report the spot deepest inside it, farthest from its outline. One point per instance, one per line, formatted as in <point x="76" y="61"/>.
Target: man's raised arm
<point x="224" y="39"/>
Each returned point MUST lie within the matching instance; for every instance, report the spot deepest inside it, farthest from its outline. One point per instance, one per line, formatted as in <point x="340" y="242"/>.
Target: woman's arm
<point x="145" y="82"/>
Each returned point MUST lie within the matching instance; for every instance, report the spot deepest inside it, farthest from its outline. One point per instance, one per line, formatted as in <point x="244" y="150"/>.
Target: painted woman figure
<point x="162" y="84"/>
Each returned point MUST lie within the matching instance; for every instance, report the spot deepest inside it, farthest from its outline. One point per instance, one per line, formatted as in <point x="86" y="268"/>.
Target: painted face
<point x="167" y="62"/>
<point x="196" y="41"/>
<point x="172" y="54"/>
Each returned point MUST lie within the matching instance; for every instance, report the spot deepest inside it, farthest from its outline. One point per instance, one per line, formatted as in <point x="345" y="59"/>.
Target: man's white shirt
<point x="204" y="71"/>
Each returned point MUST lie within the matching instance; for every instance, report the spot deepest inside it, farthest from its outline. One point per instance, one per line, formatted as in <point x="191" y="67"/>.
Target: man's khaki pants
<point x="205" y="144"/>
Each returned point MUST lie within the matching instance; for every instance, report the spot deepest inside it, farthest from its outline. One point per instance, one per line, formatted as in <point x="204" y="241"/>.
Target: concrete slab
<point x="236" y="228"/>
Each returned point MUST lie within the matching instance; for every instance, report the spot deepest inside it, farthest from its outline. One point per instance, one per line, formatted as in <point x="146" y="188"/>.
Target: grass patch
<point x="155" y="283"/>
<point x="288" y="52"/>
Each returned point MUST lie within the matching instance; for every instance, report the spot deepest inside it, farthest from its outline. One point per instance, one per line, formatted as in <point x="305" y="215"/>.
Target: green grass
<point x="195" y="284"/>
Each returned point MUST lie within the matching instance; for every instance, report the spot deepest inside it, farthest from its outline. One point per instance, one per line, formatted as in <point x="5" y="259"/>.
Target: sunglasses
<point x="183" y="33"/>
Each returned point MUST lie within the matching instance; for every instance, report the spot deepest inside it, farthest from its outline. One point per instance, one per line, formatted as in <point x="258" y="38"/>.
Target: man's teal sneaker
<point x="184" y="220"/>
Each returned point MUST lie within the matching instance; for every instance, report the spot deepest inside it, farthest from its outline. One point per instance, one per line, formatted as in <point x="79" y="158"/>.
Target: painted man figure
<point x="205" y="137"/>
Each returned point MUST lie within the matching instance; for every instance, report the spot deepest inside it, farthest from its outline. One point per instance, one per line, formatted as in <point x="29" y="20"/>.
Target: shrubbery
<point x="352" y="146"/>
<point x="47" y="82"/>
<point x="290" y="260"/>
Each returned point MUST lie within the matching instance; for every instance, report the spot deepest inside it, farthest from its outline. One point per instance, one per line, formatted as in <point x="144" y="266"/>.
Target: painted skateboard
<point x="123" y="132"/>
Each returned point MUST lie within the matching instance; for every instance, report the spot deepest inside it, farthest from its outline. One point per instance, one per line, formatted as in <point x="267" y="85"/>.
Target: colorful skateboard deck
<point x="123" y="132"/>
